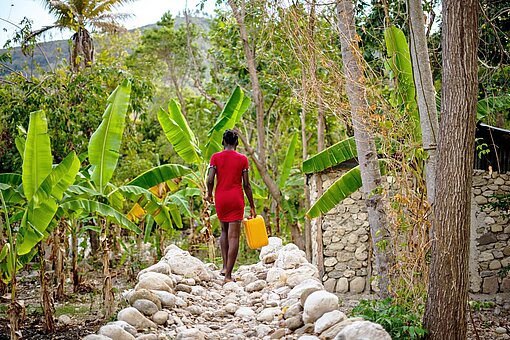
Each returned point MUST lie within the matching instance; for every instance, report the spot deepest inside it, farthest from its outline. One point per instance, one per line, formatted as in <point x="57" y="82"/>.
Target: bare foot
<point x="222" y="272"/>
<point x="229" y="280"/>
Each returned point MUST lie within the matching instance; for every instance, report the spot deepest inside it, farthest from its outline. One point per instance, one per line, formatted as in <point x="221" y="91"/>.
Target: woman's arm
<point x="210" y="184"/>
<point x="249" y="193"/>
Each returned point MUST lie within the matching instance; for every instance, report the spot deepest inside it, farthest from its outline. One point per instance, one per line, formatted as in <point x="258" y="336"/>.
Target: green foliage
<point x="105" y="142"/>
<point x="404" y="93"/>
<point x="399" y="321"/>
<point x="331" y="156"/>
<point x="479" y="305"/>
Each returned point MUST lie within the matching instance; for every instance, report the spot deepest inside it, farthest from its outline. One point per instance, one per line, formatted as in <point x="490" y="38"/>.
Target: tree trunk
<point x="320" y="147"/>
<point x="445" y="312"/>
<point x="365" y="145"/>
<point x="260" y="158"/>
<point x="82" y="52"/>
<point x="307" y="230"/>
<point x="252" y="69"/>
<point x="108" y="297"/>
<point x="16" y="311"/>
<point x="46" y="299"/>
<point x="425" y="92"/>
<point x="74" y="255"/>
<point x="58" y="257"/>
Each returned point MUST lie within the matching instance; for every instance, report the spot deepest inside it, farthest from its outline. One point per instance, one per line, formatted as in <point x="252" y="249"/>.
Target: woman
<point x="231" y="168"/>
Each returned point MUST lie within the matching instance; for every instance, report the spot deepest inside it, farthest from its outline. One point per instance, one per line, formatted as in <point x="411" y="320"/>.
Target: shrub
<point x="399" y="321"/>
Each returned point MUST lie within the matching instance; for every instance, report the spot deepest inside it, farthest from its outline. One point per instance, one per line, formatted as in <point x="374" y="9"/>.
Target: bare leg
<point x="224" y="245"/>
<point x="233" y="247"/>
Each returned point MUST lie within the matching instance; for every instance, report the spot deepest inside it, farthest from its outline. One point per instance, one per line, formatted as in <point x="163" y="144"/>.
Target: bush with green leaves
<point x="399" y="321"/>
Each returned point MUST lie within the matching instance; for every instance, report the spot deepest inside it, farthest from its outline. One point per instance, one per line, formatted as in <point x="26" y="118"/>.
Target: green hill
<point x="47" y="55"/>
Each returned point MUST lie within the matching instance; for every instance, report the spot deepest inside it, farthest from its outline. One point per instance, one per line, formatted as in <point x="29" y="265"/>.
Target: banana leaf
<point x="347" y="184"/>
<point x="289" y="160"/>
<point x="104" y="144"/>
<point x="185" y="146"/>
<point x="148" y="228"/>
<point x="38" y="160"/>
<point x="42" y="208"/>
<point x="81" y="191"/>
<point x="237" y="104"/>
<point x="159" y="174"/>
<point x="332" y="156"/>
<point x="174" y="110"/>
<point x="402" y="68"/>
<point x="11" y="188"/>
<point x="104" y="210"/>
<point x="20" y="143"/>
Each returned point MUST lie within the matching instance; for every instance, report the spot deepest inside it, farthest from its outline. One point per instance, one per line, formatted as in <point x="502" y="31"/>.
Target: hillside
<point x="47" y="55"/>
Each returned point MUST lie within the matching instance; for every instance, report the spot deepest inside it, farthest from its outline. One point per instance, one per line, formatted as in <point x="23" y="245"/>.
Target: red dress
<point x="229" y="196"/>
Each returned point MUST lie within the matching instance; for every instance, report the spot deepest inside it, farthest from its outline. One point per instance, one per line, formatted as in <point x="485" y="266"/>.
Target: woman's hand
<point x="253" y="214"/>
<point x="209" y="198"/>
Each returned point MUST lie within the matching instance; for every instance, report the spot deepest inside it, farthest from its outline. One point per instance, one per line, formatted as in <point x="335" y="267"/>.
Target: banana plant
<point x="344" y="186"/>
<point x="97" y="196"/>
<point x="188" y="147"/>
<point x="31" y="200"/>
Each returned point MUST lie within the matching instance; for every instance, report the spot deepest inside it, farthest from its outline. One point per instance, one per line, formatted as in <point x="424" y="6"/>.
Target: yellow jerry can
<point x="256" y="234"/>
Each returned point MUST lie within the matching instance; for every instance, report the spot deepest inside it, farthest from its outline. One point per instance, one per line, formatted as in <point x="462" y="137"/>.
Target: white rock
<point x="152" y="284"/>
<point x="300" y="288"/>
<point x="182" y="263"/>
<point x="244" y="313"/>
<point x="167" y="299"/>
<point x="160" y="317"/>
<point x="363" y="330"/>
<point x="256" y="286"/>
<point x="115" y="332"/>
<point x="147" y="337"/>
<point x="190" y="334"/>
<point x="300" y="274"/>
<point x="145" y="306"/>
<point x="136" y="319"/>
<point x="169" y="280"/>
<point x="327" y="320"/>
<point x="274" y="244"/>
<point x="125" y="326"/>
<point x="248" y="278"/>
<point x="268" y="314"/>
<point x="64" y="319"/>
<point x="317" y="304"/>
<point x="275" y="274"/>
<point x="231" y="308"/>
<point x="294" y="310"/>
<point x="309" y="337"/>
<point x="262" y="330"/>
<point x="357" y="285"/>
<point x="342" y="285"/>
<point x="160" y="267"/>
<point x="145" y="295"/>
<point x="270" y="258"/>
<point x="96" y="337"/>
<point x="290" y="259"/>
<point x="232" y="287"/>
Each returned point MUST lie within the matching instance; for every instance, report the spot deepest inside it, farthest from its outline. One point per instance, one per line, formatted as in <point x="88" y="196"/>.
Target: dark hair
<point x="230" y="138"/>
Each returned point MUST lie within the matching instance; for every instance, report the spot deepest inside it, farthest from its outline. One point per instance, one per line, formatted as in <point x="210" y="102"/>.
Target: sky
<point x="143" y="12"/>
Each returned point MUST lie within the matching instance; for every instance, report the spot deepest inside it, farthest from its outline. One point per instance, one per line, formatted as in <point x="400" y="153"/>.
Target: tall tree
<point x="425" y="92"/>
<point x="445" y="312"/>
<point x="76" y="15"/>
<point x="258" y="98"/>
<point x="365" y="144"/>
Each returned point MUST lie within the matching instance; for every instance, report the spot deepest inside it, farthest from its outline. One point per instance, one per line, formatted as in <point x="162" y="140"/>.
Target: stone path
<point x="280" y="297"/>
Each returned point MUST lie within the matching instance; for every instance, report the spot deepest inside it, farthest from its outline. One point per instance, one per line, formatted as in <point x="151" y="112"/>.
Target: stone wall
<point x="490" y="235"/>
<point x="346" y="238"/>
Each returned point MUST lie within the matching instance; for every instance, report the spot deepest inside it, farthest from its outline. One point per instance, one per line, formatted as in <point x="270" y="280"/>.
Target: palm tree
<point x="77" y="15"/>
